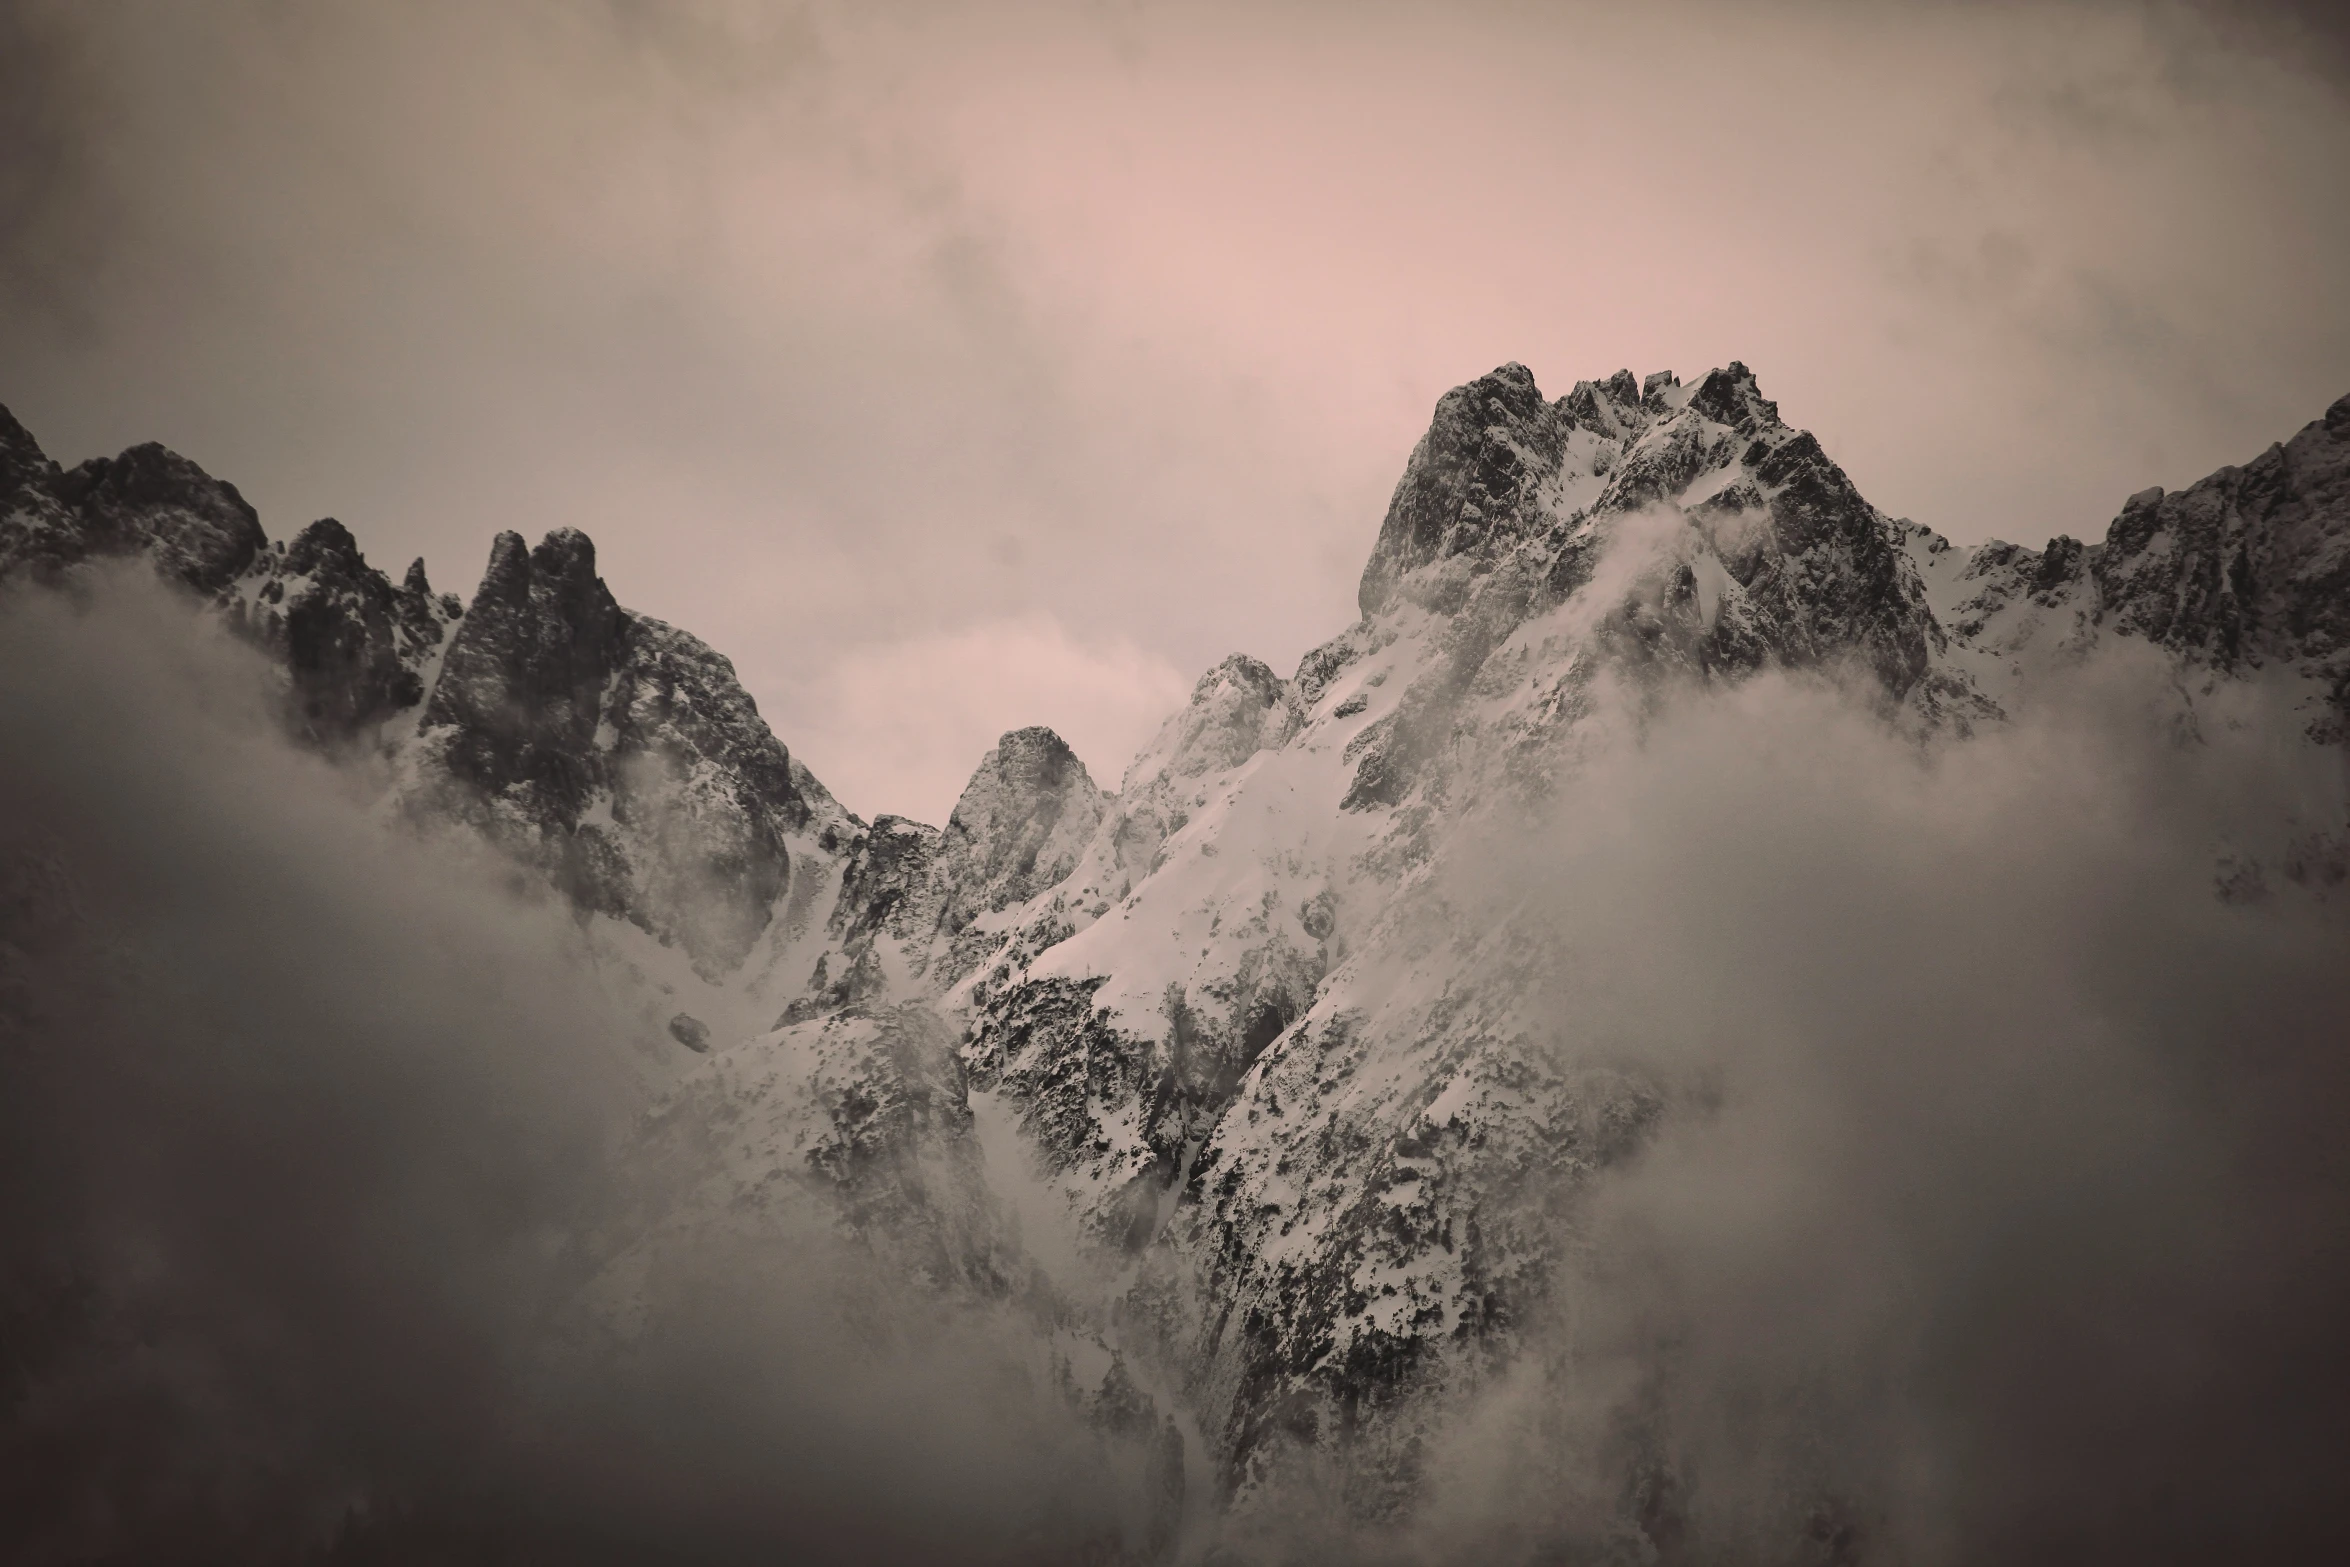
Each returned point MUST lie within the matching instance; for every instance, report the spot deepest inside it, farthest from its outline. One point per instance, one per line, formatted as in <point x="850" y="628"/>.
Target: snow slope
<point x="1232" y="1023"/>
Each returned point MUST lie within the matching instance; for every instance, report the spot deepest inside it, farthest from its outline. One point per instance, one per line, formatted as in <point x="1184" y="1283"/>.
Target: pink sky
<point x="954" y="368"/>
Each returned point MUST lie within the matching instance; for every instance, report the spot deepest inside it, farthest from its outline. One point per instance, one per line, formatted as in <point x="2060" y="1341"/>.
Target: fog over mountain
<point x="875" y="782"/>
<point x="1710" y="1024"/>
<point x="956" y="368"/>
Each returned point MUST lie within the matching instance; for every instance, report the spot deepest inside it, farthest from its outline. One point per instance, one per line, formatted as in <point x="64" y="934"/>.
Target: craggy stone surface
<point x="1295" y="1097"/>
<point x="619" y="751"/>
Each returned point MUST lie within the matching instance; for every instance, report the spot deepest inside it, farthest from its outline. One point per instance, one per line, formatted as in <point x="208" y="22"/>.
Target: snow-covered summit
<point x="1227" y="1017"/>
<point x="2245" y="571"/>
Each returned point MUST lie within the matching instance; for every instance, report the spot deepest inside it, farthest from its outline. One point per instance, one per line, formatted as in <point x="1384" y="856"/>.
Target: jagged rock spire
<point x="1019" y="826"/>
<point x="524" y="681"/>
<point x="1476" y="472"/>
<point x="198" y="529"/>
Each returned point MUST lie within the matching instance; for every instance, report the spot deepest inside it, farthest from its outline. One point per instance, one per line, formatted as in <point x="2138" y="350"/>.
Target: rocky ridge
<point x="1298" y="1114"/>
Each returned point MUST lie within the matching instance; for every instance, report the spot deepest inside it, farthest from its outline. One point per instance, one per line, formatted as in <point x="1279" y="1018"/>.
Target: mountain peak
<point x="1021" y="822"/>
<point x="1487" y="450"/>
<point x="1731" y="396"/>
<point x="150" y="500"/>
<point x="326" y="536"/>
<point x="19" y="452"/>
<point x="566" y="554"/>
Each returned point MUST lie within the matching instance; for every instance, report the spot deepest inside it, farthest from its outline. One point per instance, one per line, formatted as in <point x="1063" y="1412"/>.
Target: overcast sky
<point x="957" y="367"/>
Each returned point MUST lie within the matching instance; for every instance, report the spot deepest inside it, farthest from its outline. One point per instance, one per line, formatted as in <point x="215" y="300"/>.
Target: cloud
<point x="900" y="726"/>
<point x="317" y="1134"/>
<point x="1996" y="1213"/>
<point x="801" y="312"/>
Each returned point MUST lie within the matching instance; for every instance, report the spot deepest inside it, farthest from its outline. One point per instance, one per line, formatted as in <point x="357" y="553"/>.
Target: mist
<point x="327" y="1195"/>
<point x="1089" y="336"/>
<point x="1998" y="1209"/>
<point x="958" y="368"/>
<point x="1995" y="1212"/>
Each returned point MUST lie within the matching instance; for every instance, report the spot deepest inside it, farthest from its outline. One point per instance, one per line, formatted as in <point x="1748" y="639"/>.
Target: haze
<point x="956" y="368"/>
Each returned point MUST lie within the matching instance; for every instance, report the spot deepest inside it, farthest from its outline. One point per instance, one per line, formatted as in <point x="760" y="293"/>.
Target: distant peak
<point x="1035" y="752"/>
<point x="1662" y="392"/>
<point x="565" y="552"/>
<point x="17" y="446"/>
<point x="1731" y="396"/>
<point x="506" y="579"/>
<point x="322" y="539"/>
<point x="1238" y="669"/>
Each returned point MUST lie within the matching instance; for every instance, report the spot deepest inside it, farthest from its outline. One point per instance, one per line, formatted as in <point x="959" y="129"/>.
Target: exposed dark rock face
<point x="1019" y="827"/>
<point x="522" y="689"/>
<point x="888" y="886"/>
<point x="2245" y="570"/>
<point x="2247" y="567"/>
<point x="353" y="644"/>
<point x="1473" y="482"/>
<point x="195" y="529"/>
<point x="620" y="753"/>
<point x="1763" y="551"/>
<point x="619" y="750"/>
<point x="38" y="534"/>
<point x="1836" y="582"/>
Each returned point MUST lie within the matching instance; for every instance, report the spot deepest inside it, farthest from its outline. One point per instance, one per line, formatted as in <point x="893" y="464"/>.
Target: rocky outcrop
<point x="1291" y="1087"/>
<point x="352" y="646"/>
<point x="196" y="530"/>
<point x="2246" y="569"/>
<point x="619" y="751"/>
<point x="1729" y="543"/>
<point x="1477" y="481"/>
<point x="522" y="690"/>
<point x="889" y="886"/>
<point x="1251" y="1036"/>
<point x="2244" y="572"/>
<point x="355" y="647"/>
<point x="39" y="535"/>
<point x="1022" y="821"/>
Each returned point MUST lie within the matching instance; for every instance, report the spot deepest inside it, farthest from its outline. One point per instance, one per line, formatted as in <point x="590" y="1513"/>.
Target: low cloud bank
<point x="311" y="1132"/>
<point x="2002" y="1211"/>
<point x="1998" y="1214"/>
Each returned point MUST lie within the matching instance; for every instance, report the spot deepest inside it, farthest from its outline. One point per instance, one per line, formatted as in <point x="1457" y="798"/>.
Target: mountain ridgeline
<point x="1313" y="1154"/>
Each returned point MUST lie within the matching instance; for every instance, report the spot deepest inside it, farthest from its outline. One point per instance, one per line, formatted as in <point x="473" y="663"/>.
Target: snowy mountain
<point x="1301" y="1113"/>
